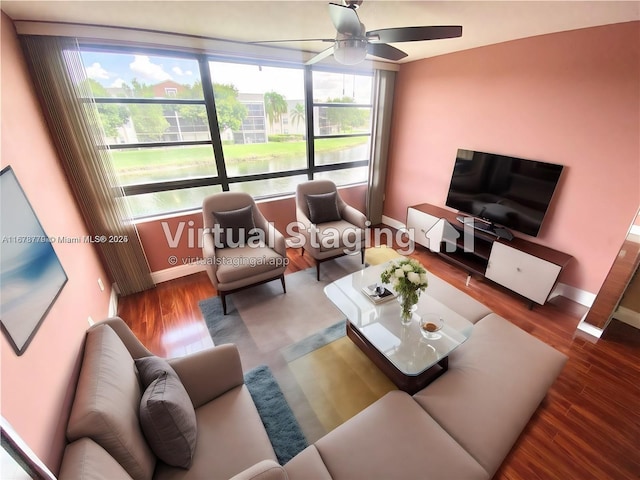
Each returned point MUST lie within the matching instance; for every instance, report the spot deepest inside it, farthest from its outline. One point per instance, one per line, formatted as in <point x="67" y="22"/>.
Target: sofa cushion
<point x="264" y="470"/>
<point x="166" y="413"/>
<point x="84" y="459"/>
<point x="241" y="263"/>
<point x="106" y="404"/>
<point x="455" y="299"/>
<point x="231" y="438"/>
<point x="340" y="235"/>
<point x="307" y="465"/>
<point x="236" y="226"/>
<point x="395" y="438"/>
<point x="323" y="207"/>
<point x="495" y="382"/>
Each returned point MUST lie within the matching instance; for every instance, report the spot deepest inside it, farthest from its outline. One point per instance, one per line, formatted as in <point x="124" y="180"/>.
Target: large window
<point x="181" y="126"/>
<point x="342" y="125"/>
<point x="253" y="106"/>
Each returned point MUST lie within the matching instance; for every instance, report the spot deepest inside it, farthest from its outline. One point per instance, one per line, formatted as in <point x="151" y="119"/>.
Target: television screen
<point x="511" y="192"/>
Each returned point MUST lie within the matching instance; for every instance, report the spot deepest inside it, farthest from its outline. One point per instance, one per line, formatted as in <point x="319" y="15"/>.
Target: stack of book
<point x="378" y="293"/>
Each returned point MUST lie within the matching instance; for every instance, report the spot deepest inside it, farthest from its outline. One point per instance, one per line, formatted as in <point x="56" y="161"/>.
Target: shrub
<point x="286" y="138"/>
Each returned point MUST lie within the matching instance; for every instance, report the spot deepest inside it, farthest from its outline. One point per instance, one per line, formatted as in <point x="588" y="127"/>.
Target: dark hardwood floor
<point x="588" y="427"/>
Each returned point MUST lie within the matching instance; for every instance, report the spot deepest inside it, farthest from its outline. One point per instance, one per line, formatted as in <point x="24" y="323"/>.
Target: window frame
<point x="311" y="135"/>
<point x="222" y="178"/>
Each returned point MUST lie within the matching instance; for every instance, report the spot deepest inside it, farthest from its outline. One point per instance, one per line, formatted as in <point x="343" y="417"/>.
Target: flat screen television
<point x="503" y="191"/>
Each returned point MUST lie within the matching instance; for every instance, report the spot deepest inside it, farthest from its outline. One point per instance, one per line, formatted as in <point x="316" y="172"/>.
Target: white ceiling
<point x="483" y="22"/>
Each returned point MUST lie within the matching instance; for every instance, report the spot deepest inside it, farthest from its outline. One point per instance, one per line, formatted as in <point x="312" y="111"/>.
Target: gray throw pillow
<point x="323" y="207"/>
<point x="167" y="416"/>
<point x="237" y="226"/>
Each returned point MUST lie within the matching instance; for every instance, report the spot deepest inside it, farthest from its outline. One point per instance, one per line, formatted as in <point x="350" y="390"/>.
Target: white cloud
<point x="149" y="71"/>
<point x="96" y="72"/>
<point x="117" y="83"/>
<point x="181" y="73"/>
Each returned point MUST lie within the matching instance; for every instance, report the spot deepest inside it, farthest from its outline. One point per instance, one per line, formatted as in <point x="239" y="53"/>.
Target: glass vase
<point x="407" y="308"/>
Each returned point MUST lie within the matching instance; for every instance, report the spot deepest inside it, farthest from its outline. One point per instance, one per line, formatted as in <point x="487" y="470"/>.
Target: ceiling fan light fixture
<point x="350" y="51"/>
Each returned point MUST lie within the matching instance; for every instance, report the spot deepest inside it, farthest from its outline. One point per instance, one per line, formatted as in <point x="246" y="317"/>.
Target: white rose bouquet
<point x="409" y="279"/>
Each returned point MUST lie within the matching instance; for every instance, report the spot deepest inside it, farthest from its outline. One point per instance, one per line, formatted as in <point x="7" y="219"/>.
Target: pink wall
<point x="37" y="387"/>
<point x="570" y="98"/>
<point x="157" y="245"/>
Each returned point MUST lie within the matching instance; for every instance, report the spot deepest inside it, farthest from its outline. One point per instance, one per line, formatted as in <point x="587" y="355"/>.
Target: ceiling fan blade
<point x="345" y="19"/>
<point x="385" y="51"/>
<point x="414" y="34"/>
<point x="321" y="56"/>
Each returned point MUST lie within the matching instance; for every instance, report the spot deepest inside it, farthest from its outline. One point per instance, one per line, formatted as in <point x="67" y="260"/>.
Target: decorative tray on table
<point x="378" y="293"/>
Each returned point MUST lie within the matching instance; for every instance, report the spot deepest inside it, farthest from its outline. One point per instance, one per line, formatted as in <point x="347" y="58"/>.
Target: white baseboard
<point x="572" y="293"/>
<point x="630" y="317"/>
<point x="176" y="272"/>
<point x="392" y="222"/>
<point x="582" y="297"/>
<point x="590" y="329"/>
<point x="113" y="301"/>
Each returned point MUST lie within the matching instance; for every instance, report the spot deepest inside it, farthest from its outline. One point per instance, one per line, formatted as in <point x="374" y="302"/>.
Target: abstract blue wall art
<point x="31" y="276"/>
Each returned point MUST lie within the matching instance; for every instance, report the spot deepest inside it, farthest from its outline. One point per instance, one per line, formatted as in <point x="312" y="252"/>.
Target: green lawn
<point x="128" y="160"/>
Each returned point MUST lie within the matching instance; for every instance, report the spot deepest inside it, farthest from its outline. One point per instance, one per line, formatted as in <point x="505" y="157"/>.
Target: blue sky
<point x="114" y="69"/>
<point x="111" y="70"/>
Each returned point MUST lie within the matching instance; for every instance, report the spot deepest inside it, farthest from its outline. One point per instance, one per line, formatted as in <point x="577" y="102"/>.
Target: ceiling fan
<point x="353" y="42"/>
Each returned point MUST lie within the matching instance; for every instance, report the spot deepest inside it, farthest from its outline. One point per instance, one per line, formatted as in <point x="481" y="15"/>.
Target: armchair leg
<point x="284" y="287"/>
<point x="223" y="298"/>
<point x="317" y="270"/>
<point x="362" y="255"/>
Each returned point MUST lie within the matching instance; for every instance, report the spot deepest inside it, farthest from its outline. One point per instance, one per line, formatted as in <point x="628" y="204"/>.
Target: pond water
<point x="191" y="198"/>
<point x="204" y="166"/>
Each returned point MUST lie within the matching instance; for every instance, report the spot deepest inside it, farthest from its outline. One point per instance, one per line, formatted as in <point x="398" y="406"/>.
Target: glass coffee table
<point x="409" y="360"/>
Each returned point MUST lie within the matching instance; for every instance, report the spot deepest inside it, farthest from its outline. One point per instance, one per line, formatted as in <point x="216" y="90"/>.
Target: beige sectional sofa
<point x="460" y="427"/>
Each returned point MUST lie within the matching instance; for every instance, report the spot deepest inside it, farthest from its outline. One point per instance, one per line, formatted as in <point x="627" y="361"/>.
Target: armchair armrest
<point x="302" y="218"/>
<point x="305" y="226"/>
<point x="209" y="373"/>
<point x="209" y="251"/>
<point x="354" y="216"/>
<point x="264" y="470"/>
<point x="279" y="245"/>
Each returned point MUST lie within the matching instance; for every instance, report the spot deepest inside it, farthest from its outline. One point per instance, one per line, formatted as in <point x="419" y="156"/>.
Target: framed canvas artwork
<point x="31" y="276"/>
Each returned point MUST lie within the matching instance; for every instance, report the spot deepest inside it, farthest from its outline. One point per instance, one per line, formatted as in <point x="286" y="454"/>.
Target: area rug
<point x="273" y="319"/>
<point x="281" y="425"/>
<point x="380" y="254"/>
<point x="314" y="341"/>
<point x="338" y="381"/>
<point x="267" y="324"/>
<point x="223" y="328"/>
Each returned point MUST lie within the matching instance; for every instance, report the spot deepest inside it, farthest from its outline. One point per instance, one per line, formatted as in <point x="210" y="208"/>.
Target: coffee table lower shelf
<point x="407" y="383"/>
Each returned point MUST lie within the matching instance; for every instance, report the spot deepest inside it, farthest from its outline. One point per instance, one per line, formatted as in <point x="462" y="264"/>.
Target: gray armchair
<point x="329" y="228"/>
<point x="240" y="247"/>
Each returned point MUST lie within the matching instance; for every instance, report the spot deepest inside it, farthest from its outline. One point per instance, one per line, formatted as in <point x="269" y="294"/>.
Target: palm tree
<point x="297" y="114"/>
<point x="275" y="106"/>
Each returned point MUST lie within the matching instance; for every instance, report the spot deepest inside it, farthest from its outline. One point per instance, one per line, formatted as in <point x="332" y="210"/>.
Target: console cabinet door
<point x="419" y="224"/>
<point x="530" y="276"/>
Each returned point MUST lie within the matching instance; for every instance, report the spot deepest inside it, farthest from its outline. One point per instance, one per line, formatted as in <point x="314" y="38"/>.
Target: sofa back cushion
<point x="107" y="402"/>
<point x="86" y="460"/>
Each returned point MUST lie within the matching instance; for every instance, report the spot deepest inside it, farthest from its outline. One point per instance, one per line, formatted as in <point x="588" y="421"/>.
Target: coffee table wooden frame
<point x="407" y="383"/>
